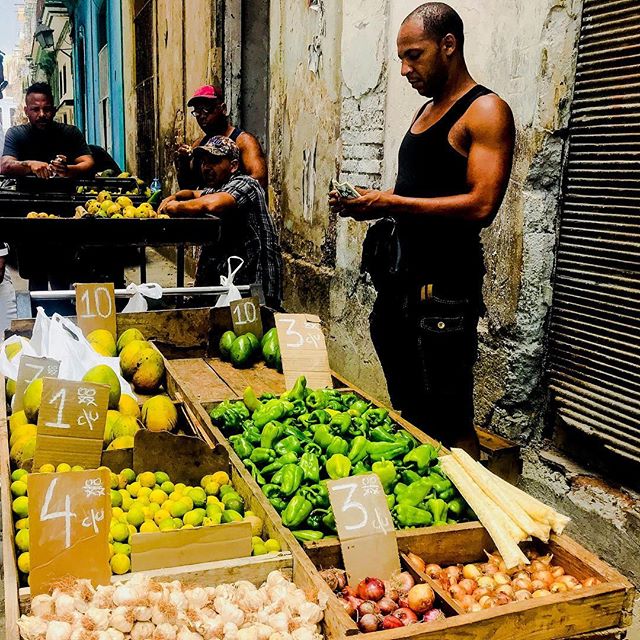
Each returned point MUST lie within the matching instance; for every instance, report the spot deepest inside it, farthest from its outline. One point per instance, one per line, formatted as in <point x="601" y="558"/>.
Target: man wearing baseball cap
<point x="208" y="108"/>
<point x="247" y="228"/>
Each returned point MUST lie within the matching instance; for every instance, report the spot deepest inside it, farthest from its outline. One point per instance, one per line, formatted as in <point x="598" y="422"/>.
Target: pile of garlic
<point x="143" y="609"/>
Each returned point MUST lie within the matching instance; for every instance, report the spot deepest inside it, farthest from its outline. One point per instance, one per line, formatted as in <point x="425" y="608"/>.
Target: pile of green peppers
<point x="294" y="443"/>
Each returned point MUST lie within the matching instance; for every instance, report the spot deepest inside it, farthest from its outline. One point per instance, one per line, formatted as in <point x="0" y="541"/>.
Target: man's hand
<point x="371" y="205"/>
<point x="3" y="262"/>
<point x="171" y="208"/>
<point x="40" y="169"/>
<point x="59" y="165"/>
<point x="165" y="203"/>
<point x="183" y="154"/>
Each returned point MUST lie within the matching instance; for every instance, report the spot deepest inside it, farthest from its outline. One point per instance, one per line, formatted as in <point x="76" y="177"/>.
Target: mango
<point x="129" y="357"/>
<point x="159" y="414"/>
<point x="102" y="374"/>
<point x="149" y="371"/>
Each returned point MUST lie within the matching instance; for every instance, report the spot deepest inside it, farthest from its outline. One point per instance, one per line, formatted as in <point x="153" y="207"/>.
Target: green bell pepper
<point x="447" y="494"/>
<point x="274" y="496"/>
<point x="218" y="411"/>
<point x="399" y="489"/>
<point x="385" y="450"/>
<point x="409" y="476"/>
<point x="250" y="400"/>
<point x="358" y="427"/>
<point x="381" y="433"/>
<point x="292" y="477"/>
<point x="297" y="392"/>
<point x="440" y="484"/>
<point x="408" y="516"/>
<point x="455" y="508"/>
<point x="376" y="417"/>
<point x="317" y="399"/>
<point x="415" y="493"/>
<point x="288" y="444"/>
<point x="338" y="445"/>
<point x="296" y="512"/>
<point x="271" y="433"/>
<point x="329" y="521"/>
<point x="391" y="500"/>
<point x="241" y="446"/>
<point x="272" y="411"/>
<point x="405" y="438"/>
<point x="358" y="450"/>
<point x="307" y="535"/>
<point x="438" y="509"/>
<point x="314" y="521"/>
<point x="348" y="399"/>
<point x="312" y="448"/>
<point x="342" y="422"/>
<point x="262" y="456"/>
<point x="338" y="466"/>
<point x="336" y="405"/>
<point x="358" y="407"/>
<point x="289" y="429"/>
<point x="386" y="471"/>
<point x="255" y="472"/>
<point x="288" y="458"/>
<point x="319" y="416"/>
<point x="422" y="456"/>
<point x="316" y="494"/>
<point x="310" y="467"/>
<point x="360" y="468"/>
<point x="323" y="436"/>
<point x="251" y="432"/>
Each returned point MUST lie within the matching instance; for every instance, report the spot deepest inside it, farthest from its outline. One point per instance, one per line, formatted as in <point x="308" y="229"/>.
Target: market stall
<point x="207" y="371"/>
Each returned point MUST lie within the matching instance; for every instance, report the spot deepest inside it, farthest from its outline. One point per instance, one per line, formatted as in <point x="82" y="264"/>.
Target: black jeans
<point x="427" y="350"/>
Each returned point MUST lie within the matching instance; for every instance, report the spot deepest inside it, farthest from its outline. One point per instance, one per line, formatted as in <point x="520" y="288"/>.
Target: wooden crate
<point x="603" y="607"/>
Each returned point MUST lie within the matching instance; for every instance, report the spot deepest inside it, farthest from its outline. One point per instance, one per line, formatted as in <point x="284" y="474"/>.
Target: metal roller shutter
<point x="595" y="323"/>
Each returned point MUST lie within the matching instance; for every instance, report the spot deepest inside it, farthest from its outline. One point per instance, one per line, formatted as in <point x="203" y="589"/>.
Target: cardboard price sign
<point x="31" y="368"/>
<point x="303" y="349"/>
<point x="96" y="307"/>
<point x="69" y="516"/>
<point x="365" y="527"/>
<point x="71" y="423"/>
<point x="246" y="318"/>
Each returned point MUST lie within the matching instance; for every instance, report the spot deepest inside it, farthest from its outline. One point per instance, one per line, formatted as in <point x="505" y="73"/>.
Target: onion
<point x="476" y="607"/>
<point x="590" y="582"/>
<point x="544" y="576"/>
<point x="536" y="585"/>
<point x="387" y="605"/>
<point x="523" y="575"/>
<point x="457" y="591"/>
<point x="416" y="562"/>
<point x="522" y="594"/>
<point x="494" y="558"/>
<point x="489" y="569"/>
<point x="521" y="583"/>
<point x="391" y="622"/>
<point x="487" y="582"/>
<point x="433" y="616"/>
<point x="371" y="589"/>
<point x="556" y="572"/>
<point x="403" y="582"/>
<point x="349" y="606"/>
<point x="349" y="591"/>
<point x="479" y="592"/>
<point x="406" y="615"/>
<point x="570" y="581"/>
<point x="421" y="598"/>
<point x="368" y="623"/>
<point x="506" y="589"/>
<point x="466" y="602"/>
<point x="403" y="601"/>
<point x="540" y="593"/>
<point x="468" y="585"/>
<point x="471" y="571"/>
<point x="487" y="602"/>
<point x="368" y="606"/>
<point x="433" y="570"/>
<point x="502" y="578"/>
<point x="502" y="598"/>
<point x="390" y="591"/>
<point x="558" y="587"/>
<point x="453" y="574"/>
<point x="335" y="578"/>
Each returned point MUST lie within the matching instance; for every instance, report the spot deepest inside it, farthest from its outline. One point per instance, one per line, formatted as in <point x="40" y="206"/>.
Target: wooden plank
<point x="259" y="376"/>
<point x="203" y="382"/>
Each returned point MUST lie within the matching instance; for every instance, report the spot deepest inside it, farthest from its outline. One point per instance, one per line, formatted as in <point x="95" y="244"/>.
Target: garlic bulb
<point x="142" y="630"/>
<point x="103" y="598"/>
<point x="32" y="627"/>
<point x="64" y="605"/>
<point x="96" y="619"/>
<point x="126" y="596"/>
<point x="263" y="631"/>
<point x="122" y="619"/>
<point x="164" y="631"/>
<point x="58" y="630"/>
<point x="42" y="605"/>
<point x="230" y="631"/>
<point x="196" y="598"/>
<point x="310" y="612"/>
<point x="185" y="634"/>
<point x="142" y="614"/>
<point x="248" y="633"/>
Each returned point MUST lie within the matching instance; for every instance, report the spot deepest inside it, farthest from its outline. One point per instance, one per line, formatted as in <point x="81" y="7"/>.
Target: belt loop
<point x="426" y="292"/>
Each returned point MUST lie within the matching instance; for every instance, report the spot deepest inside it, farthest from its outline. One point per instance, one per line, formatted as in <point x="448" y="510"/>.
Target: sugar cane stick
<point x="490" y="516"/>
<point x="486" y="481"/>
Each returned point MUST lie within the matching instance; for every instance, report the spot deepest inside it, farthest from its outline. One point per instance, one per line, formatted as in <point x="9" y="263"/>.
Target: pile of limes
<point x="145" y="503"/>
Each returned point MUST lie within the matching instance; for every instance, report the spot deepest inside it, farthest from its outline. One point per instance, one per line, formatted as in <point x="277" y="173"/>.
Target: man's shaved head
<point x="439" y="19"/>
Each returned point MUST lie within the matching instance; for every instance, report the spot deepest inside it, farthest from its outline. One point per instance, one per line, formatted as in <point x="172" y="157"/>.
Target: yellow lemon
<point x="63" y="467"/>
<point x="212" y="489"/>
<point x="149" y="527"/>
<point x="18" y="488"/>
<point x="178" y="509"/>
<point x="132" y="529"/>
<point x="135" y="516"/>
<point x="147" y="479"/>
<point x="116" y="512"/>
<point x="167" y="525"/>
<point x="154" y="508"/>
<point x="31" y="400"/>
<point x="122" y="547"/>
<point x="168" y="487"/>
<point x="187" y="526"/>
<point x="161" y="515"/>
<point x="198" y="496"/>
<point x="111" y="551"/>
<point x="12" y="349"/>
<point x="187" y="501"/>
<point x="221" y="477"/>
<point x="272" y="545"/>
<point x="22" y="540"/>
<point x="77" y="467"/>
<point x="134" y="489"/>
<point x="128" y="474"/>
<point x="167" y="504"/>
<point x="144" y="491"/>
<point x="180" y="486"/>
<point x="20" y="507"/>
<point x="120" y="532"/>
<point x="175" y="496"/>
<point x="194" y="517"/>
<point x="120" y="563"/>
<point x="158" y="496"/>
<point x="16" y="419"/>
<point x="24" y="563"/>
<point x="143" y="501"/>
<point x="47" y="468"/>
<point x="23" y="523"/>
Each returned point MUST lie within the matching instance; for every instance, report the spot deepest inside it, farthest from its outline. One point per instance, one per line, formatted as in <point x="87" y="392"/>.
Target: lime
<point x="168" y="487"/>
<point x="120" y="532"/>
<point x="194" y="517"/>
<point x="161" y="477"/>
<point x="180" y="487"/>
<point x="18" y="474"/>
<point x="22" y="540"/>
<point x="47" y="468"/>
<point x="167" y="524"/>
<point x="24" y="563"/>
<point x="214" y="519"/>
<point x="259" y="550"/>
<point x="256" y="540"/>
<point x="20" y="506"/>
<point x="161" y="515"/>
<point x="116" y="498"/>
<point x="147" y="479"/>
<point x="115" y="483"/>
<point x="178" y="509"/>
<point x="212" y="488"/>
<point x="128" y="474"/>
<point x="205" y="480"/>
<point x="135" y="516"/>
<point x="63" y="467"/>
<point x="272" y="545"/>
<point x="149" y="527"/>
<point x="23" y="523"/>
<point x="198" y="496"/>
<point x="188" y="501"/>
<point x="134" y="488"/>
<point x="122" y="547"/>
<point x="187" y="526"/>
<point x="18" y="488"/>
<point x="154" y="507"/>
<point x="212" y="510"/>
<point x="226" y="341"/>
<point x="120" y="563"/>
<point x="158" y="496"/>
<point x="177" y="522"/>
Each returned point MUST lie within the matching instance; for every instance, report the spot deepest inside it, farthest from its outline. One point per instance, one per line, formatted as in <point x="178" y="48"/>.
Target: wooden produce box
<point x="598" y="611"/>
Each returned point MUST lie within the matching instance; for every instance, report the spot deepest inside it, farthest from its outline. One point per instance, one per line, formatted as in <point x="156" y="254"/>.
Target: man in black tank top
<point x="425" y="257"/>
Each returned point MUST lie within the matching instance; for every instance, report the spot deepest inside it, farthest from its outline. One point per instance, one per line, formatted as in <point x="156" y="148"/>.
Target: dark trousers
<point x="427" y="349"/>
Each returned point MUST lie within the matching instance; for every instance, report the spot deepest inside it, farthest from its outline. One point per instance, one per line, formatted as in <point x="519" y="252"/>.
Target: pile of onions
<point x="380" y="604"/>
<point x="490" y="584"/>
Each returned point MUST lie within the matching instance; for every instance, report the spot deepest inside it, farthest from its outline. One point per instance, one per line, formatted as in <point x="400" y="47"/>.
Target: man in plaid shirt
<point x="247" y="229"/>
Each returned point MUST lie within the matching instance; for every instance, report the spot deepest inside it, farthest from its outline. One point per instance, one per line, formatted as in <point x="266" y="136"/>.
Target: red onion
<point x="371" y="589"/>
<point x="403" y="582"/>
<point x="368" y="623"/>
<point x="349" y="591"/>
<point x="406" y="615"/>
<point x="403" y="601"/>
<point x="349" y="606"/>
<point x="368" y="606"/>
<point x="390" y="591"/>
<point x="391" y="622"/>
<point x="387" y="605"/>
<point x="354" y="603"/>
<point x="433" y="616"/>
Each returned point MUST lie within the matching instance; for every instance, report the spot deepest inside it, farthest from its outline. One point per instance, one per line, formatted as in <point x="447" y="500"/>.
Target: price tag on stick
<point x="29" y="370"/>
<point x="303" y="349"/>
<point x="69" y="516"/>
<point x="96" y="307"/>
<point x="71" y="423"/>
<point x="365" y="527"/>
<point x="245" y="315"/>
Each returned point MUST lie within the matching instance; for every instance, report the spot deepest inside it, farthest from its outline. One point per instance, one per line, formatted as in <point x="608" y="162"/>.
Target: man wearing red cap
<point x="208" y="108"/>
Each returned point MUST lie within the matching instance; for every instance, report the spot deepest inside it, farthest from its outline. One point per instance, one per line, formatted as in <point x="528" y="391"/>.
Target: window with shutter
<point x="594" y="355"/>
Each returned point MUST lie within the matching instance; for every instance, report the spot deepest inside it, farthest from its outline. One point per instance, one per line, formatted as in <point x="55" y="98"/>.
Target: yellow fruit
<point x="205" y="480"/>
<point x="114" y="209"/>
<point x="19" y="474"/>
<point x="24" y="563"/>
<point x="23" y="450"/>
<point x="28" y="430"/>
<point x="147" y="479"/>
<point x="221" y="477"/>
<point x="31" y="400"/>
<point x="149" y="371"/>
<point x="159" y="414"/>
<point x="120" y="532"/>
<point x="158" y="496"/>
<point x="120" y="563"/>
<point x="160" y="515"/>
<point x="180" y="487"/>
<point x="63" y="467"/>
<point x="112" y="417"/>
<point x="123" y="201"/>
<point x="193" y="517"/>
<point x="259" y="550"/>
<point x="187" y="526"/>
<point x="134" y="489"/>
<point x="129" y="356"/>
<point x="77" y="467"/>
<point x="125" y="442"/>
<point x="16" y="419"/>
<point x="47" y="468"/>
<point x="102" y="196"/>
<point x="212" y="489"/>
<point x="188" y="501"/>
<point x="198" y="496"/>
<point x="128" y="406"/>
<point x="144" y="491"/>
<point x="22" y="523"/>
<point x="12" y="349"/>
<point x="102" y="374"/>
<point x="104" y="206"/>
<point x="135" y="516"/>
<point x="22" y="540"/>
<point x="143" y="501"/>
<point x="93" y="207"/>
<point x="167" y="525"/>
<point x="18" y="488"/>
<point x="124" y="426"/>
<point x="10" y="388"/>
<point x="20" y="507"/>
<point x="105" y="339"/>
<point x="272" y="545"/>
<point x="128" y="474"/>
<point x="149" y="527"/>
<point x="100" y="350"/>
<point x="116" y="512"/>
<point x="178" y="509"/>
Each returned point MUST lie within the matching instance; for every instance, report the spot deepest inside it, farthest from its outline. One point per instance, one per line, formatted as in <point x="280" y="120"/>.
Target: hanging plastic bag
<point x="140" y="293"/>
<point x="9" y="368"/>
<point x="232" y="294"/>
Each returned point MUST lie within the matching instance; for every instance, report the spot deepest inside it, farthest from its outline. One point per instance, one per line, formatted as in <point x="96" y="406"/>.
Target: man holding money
<point x="424" y="254"/>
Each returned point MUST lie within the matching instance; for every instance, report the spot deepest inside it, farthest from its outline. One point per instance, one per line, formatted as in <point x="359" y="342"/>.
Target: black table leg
<point x="143" y="265"/>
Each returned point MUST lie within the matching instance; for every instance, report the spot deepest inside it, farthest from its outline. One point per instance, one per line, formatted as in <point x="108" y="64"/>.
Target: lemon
<point x="18" y="488"/>
<point x="272" y="545"/>
<point x="194" y="517"/>
<point x="206" y="480"/>
<point x="180" y="487"/>
<point x="122" y="547"/>
<point x="120" y="563"/>
<point x="134" y="489"/>
<point x="161" y="515"/>
<point x="132" y="529"/>
<point x="113" y="481"/>
<point x="22" y="540"/>
<point x="213" y="500"/>
<point x="20" y="506"/>
<point x="24" y="563"/>
<point x="168" y="487"/>
<point x="212" y="510"/>
<point x="16" y="419"/>
<point x="175" y="496"/>
<point x="212" y="488"/>
<point x="256" y="540"/>
<point x="154" y="507"/>
<point x="167" y="504"/>
<point x="187" y="526"/>
<point x="147" y="479"/>
<point x="158" y="496"/>
<point x="149" y="527"/>
<point x="135" y="516"/>
<point x="47" y="468"/>
<point x="116" y="498"/>
<point x="221" y="477"/>
<point x="23" y="523"/>
<point x="188" y="501"/>
<point x="167" y="524"/>
<point x="77" y="467"/>
<point x="177" y="522"/>
<point x="18" y="474"/>
<point x="161" y="477"/>
<point x="120" y="532"/>
<point x="259" y="550"/>
<point x="24" y="431"/>
<point x="143" y="501"/>
<point x="116" y="512"/>
<point x="128" y="474"/>
<point x="178" y="509"/>
<point x="198" y="496"/>
<point x="128" y="406"/>
<point x="63" y="467"/>
<point x="144" y="491"/>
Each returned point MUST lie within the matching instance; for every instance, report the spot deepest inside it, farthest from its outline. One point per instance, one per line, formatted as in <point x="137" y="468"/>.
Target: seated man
<point x="247" y="229"/>
<point x="210" y="111"/>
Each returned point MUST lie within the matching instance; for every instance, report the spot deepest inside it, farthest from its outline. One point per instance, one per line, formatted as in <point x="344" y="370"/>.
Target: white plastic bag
<point x="226" y="299"/>
<point x="9" y="368"/>
<point x="141" y="292"/>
